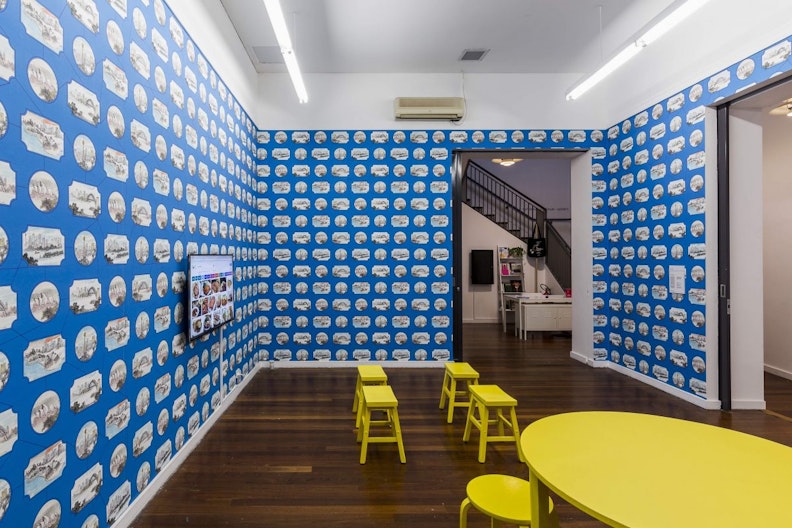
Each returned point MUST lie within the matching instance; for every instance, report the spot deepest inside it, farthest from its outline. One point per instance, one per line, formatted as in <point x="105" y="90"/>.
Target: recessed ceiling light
<point x="506" y="162"/>
<point x="473" y="54"/>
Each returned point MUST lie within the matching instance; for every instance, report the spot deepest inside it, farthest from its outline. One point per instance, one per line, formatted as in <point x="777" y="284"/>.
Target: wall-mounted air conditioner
<point x="452" y="108"/>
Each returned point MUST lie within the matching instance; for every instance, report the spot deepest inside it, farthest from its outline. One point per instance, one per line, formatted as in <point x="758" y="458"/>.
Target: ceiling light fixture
<point x="656" y="28"/>
<point x="278" y="22"/>
<point x="506" y="162"/>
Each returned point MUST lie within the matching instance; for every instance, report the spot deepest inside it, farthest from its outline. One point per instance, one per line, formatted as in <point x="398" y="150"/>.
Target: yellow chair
<point x="456" y="372"/>
<point x="379" y="398"/>
<point x="367" y="375"/>
<point x="503" y="498"/>
<point x="492" y="404"/>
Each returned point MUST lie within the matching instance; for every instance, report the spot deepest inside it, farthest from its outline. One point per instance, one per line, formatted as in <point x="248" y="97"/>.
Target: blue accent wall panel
<point x="121" y="153"/>
<point x="357" y="239"/>
<point x="648" y="212"/>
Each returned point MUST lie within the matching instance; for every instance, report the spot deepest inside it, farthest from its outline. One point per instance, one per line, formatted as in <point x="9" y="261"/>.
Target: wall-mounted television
<point x="211" y="293"/>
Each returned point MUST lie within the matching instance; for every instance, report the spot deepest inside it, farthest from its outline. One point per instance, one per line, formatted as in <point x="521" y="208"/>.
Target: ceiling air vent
<point x="452" y="108"/>
<point x="473" y="54"/>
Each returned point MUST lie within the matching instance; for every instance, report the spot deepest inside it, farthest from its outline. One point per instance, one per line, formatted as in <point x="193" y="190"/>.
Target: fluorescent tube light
<point x="275" y="13"/>
<point x="659" y="26"/>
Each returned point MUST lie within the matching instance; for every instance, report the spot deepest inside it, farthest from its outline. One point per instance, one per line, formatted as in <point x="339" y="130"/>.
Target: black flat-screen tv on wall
<point x="481" y="268"/>
<point x="211" y="293"/>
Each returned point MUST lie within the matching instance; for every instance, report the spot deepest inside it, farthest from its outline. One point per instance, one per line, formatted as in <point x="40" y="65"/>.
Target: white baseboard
<point x="749" y="405"/>
<point x="690" y="398"/>
<point x="577" y="356"/>
<point x="137" y="506"/>
<point x="778" y="371"/>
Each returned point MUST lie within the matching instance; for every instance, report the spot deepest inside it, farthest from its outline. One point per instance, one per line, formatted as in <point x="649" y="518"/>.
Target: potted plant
<point x="516" y="252"/>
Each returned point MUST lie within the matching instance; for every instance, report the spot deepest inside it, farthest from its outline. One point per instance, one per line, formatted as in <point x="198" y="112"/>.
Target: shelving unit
<point x="511" y="279"/>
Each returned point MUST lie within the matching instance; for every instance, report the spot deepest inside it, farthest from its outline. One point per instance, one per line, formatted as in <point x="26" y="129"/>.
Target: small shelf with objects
<point x="511" y="279"/>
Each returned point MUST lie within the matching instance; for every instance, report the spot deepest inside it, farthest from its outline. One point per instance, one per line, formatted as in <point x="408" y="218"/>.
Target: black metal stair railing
<point x="559" y="256"/>
<point x="518" y="214"/>
<point x="502" y="203"/>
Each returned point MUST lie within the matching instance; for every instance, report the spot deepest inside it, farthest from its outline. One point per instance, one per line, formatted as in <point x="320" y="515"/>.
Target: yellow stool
<point x="456" y="372"/>
<point x="502" y="497"/>
<point x="492" y="402"/>
<point x="379" y="398"/>
<point x="367" y="375"/>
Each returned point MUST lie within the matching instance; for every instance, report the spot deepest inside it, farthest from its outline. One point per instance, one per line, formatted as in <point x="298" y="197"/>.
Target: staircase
<point x="516" y="213"/>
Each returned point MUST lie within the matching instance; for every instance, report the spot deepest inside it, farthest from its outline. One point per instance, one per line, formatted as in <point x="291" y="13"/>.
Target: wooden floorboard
<point x="284" y="454"/>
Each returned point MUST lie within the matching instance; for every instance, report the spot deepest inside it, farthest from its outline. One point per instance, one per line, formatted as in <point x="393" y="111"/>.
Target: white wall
<point x="365" y="101"/>
<point x="582" y="262"/>
<point x="745" y="220"/>
<point x="777" y="216"/>
<point x="479" y="301"/>
<point x="211" y="30"/>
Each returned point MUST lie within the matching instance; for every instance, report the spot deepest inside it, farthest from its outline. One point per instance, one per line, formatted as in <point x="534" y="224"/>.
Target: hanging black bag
<point x="537" y="245"/>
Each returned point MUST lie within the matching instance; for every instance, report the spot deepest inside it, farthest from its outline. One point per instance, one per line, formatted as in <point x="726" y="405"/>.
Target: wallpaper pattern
<point x="358" y="239"/>
<point x="121" y="153"/>
<point x="648" y="213"/>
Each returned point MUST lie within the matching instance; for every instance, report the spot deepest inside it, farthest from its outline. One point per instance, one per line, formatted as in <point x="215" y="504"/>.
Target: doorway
<point x="759" y="132"/>
<point x="576" y="198"/>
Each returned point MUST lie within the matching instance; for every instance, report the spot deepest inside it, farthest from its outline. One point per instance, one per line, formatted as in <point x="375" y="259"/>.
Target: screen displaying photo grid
<point x="211" y="292"/>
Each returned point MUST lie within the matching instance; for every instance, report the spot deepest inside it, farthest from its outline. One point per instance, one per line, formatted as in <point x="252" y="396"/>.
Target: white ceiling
<point x="429" y="36"/>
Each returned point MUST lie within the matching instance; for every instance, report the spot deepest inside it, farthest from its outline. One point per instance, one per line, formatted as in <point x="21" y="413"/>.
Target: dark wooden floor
<point x="284" y="454"/>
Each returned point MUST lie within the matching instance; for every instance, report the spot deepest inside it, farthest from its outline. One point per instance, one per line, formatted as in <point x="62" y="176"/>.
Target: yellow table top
<point x="637" y="470"/>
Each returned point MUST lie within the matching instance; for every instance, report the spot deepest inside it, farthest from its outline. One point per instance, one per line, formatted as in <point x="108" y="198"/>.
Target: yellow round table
<point x="637" y="470"/>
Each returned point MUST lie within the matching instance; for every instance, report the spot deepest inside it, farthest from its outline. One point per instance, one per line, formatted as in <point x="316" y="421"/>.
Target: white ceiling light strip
<point x="659" y="26"/>
<point x="278" y="22"/>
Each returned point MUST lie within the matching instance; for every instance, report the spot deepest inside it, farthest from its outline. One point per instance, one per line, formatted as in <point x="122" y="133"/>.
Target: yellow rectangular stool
<point x="456" y="372"/>
<point x="492" y="404"/>
<point x="379" y="398"/>
<point x="368" y="375"/>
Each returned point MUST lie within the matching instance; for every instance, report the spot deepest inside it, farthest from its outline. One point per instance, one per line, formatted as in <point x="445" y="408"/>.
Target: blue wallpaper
<point x="358" y="239"/>
<point x="121" y="153"/>
<point x="648" y="229"/>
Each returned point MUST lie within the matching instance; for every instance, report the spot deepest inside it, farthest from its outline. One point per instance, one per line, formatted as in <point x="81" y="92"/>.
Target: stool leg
<point x="443" y="392"/>
<point x="360" y="419"/>
<point x="356" y="401"/>
<point x="363" y="433"/>
<point x="501" y="421"/>
<point x="359" y="416"/>
<point x="463" y="511"/>
<point x="469" y="422"/>
<point x="484" y="416"/>
<point x="516" y="431"/>
<point x="451" y="400"/>
<point x="398" y="435"/>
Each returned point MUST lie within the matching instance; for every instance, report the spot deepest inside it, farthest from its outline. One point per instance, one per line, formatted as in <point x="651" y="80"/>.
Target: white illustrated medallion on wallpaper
<point x="44" y="301"/>
<point x="7" y="63"/>
<point x="42" y="25"/>
<point x="86" y="13"/>
<point x="45" y="412"/>
<point x="42" y="136"/>
<point x="43" y="191"/>
<point x="44" y="469"/>
<point x="86" y="440"/>
<point x="42" y="79"/>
